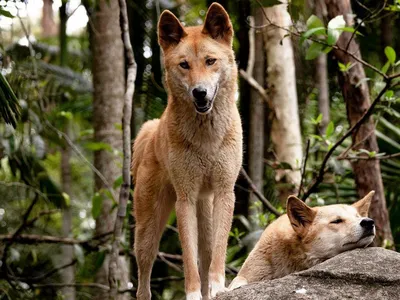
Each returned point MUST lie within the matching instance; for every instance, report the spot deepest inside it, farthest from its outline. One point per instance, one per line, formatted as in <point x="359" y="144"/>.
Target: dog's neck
<point x="197" y="129"/>
<point x="298" y="258"/>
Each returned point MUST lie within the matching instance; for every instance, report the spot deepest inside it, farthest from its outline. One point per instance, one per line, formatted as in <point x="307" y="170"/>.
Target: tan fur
<point x="303" y="238"/>
<point x="188" y="159"/>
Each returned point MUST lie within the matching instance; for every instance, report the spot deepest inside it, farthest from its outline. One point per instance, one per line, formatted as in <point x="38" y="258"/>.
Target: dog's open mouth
<point x="205" y="106"/>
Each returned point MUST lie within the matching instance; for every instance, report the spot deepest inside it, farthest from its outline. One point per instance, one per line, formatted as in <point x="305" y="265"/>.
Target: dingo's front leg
<point x="187" y="227"/>
<point x="205" y="222"/>
<point x="222" y="219"/>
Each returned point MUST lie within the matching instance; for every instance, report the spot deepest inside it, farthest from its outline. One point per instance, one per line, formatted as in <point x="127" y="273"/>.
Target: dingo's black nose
<point x="367" y="223"/>
<point x="199" y="93"/>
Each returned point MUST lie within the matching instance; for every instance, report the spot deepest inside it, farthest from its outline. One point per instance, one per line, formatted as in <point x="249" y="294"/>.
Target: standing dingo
<point x="192" y="155"/>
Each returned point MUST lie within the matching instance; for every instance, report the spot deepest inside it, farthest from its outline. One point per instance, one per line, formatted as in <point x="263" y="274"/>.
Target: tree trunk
<point x="257" y="109"/>
<point x="321" y="74"/>
<point x="68" y="274"/>
<point x="367" y="173"/>
<point x="109" y="87"/>
<point x="49" y="27"/>
<point x="241" y="191"/>
<point x="281" y="80"/>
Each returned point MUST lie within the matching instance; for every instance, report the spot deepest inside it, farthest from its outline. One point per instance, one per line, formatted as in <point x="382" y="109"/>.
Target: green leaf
<point x="313" y="31"/>
<point x="314" y="51"/>
<point x="390" y="54"/>
<point x="66" y="114"/>
<point x="334" y="29"/>
<point x="385" y="68"/>
<point x="317" y="137"/>
<point x="330" y="129"/>
<point x="314" y="22"/>
<point x="5" y="13"/>
<point x="319" y="118"/>
<point x="327" y="50"/>
<point x="269" y="3"/>
<point x="97" y="146"/>
<point x="350" y="29"/>
<point x="99" y="260"/>
<point x="389" y="94"/>
<point x="117" y="182"/>
<point x="345" y="67"/>
<point x="97" y="201"/>
<point x="67" y="199"/>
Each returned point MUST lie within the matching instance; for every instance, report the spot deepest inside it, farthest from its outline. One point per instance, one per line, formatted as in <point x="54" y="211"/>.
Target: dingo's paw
<point x="217" y="288"/>
<point x="237" y="282"/>
<point x="193" y="295"/>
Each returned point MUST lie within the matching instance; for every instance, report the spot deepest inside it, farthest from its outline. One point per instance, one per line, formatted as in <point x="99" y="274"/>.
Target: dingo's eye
<point x="210" y="61"/>
<point x="184" y="65"/>
<point x="337" y="221"/>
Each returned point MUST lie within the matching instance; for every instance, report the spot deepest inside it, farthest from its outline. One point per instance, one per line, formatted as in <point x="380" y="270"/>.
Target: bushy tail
<point x="139" y="146"/>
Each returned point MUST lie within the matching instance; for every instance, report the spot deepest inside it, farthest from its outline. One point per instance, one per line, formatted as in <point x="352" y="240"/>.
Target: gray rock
<point x="371" y="273"/>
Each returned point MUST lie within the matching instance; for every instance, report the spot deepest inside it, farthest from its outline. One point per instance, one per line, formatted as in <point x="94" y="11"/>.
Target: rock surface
<point x="371" y="273"/>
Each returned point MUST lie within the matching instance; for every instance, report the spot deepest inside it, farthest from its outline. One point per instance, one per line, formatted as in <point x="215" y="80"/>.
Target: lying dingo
<point x="307" y="236"/>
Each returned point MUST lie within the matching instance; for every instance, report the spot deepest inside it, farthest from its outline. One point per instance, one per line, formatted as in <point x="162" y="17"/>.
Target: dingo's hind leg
<point x="152" y="208"/>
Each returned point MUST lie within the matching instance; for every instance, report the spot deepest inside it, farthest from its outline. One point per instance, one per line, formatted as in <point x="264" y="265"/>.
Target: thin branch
<point x="260" y="196"/>
<point x="15" y="236"/>
<point x="61" y="285"/>
<point x="252" y="52"/>
<point x="31" y="50"/>
<point x="49" y="239"/>
<point x="83" y="284"/>
<point x="170" y="256"/>
<point x="370" y="14"/>
<point x="168" y="278"/>
<point x="254" y="84"/>
<point x="389" y="156"/>
<point x="74" y="11"/>
<point x="47" y="274"/>
<point x="41" y="214"/>
<point x="344" y="153"/>
<point x="126" y="125"/>
<point x="80" y="154"/>
<point x="366" y="115"/>
<point x="27" y="186"/>
<point x="303" y="172"/>
<point x="169" y="263"/>
<point x="355" y="57"/>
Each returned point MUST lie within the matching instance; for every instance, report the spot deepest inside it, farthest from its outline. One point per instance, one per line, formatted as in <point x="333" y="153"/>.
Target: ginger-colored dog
<point x="305" y="237"/>
<point x="192" y="155"/>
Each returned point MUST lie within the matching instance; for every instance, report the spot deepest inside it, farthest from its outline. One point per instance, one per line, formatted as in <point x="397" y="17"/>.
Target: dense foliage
<point x="39" y="97"/>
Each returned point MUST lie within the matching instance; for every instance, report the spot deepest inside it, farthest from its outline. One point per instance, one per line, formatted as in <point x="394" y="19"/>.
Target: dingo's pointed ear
<point x="170" y="30"/>
<point x="363" y="205"/>
<point x="300" y="215"/>
<point x="218" y="25"/>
